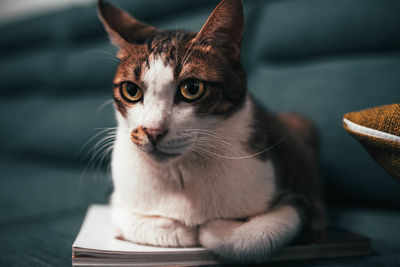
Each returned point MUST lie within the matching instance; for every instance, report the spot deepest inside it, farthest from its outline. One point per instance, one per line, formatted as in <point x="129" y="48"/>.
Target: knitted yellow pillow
<point x="378" y="130"/>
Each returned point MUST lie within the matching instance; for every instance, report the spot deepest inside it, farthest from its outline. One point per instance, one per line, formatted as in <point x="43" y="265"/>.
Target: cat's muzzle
<point x="146" y="140"/>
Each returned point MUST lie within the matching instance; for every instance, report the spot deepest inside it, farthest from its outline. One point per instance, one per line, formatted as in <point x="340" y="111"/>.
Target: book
<point x="97" y="245"/>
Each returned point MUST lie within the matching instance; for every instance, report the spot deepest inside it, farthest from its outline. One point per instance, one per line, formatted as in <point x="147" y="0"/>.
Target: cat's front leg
<point x="153" y="230"/>
<point x="254" y="240"/>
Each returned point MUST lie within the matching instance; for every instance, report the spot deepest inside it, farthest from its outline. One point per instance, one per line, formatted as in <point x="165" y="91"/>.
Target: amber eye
<point x="192" y="89"/>
<point x="131" y="92"/>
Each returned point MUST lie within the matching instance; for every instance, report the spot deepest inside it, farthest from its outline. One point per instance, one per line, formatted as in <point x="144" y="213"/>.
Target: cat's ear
<point x="224" y="28"/>
<point x="122" y="28"/>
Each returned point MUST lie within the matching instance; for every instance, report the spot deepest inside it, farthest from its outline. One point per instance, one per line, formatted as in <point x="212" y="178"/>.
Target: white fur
<point x="160" y="91"/>
<point x="161" y="203"/>
<point x="153" y="230"/>
<point x="254" y="240"/>
<point x="156" y="108"/>
<point x="213" y="188"/>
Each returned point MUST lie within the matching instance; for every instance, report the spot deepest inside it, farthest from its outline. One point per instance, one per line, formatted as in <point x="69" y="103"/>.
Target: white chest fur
<point x="194" y="191"/>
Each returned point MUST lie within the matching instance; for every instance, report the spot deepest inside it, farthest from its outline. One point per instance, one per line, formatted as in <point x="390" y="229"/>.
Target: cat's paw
<point x="233" y="242"/>
<point x="175" y="234"/>
<point x="153" y="230"/>
<point x="213" y="234"/>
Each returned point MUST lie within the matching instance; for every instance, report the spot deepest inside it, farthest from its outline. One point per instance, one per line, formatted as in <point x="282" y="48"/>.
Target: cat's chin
<point x="160" y="156"/>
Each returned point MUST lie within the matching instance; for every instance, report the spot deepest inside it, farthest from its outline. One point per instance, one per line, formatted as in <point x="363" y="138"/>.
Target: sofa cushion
<point x="293" y="28"/>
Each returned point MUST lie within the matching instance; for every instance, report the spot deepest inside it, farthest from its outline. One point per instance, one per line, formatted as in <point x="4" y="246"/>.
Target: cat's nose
<point x="155" y="134"/>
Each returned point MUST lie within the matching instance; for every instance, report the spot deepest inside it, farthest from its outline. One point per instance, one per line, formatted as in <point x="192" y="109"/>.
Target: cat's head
<point x="173" y="86"/>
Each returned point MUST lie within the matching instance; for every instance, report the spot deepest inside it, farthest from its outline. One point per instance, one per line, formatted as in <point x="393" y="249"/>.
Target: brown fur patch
<point x="303" y="127"/>
<point x="292" y="140"/>
<point x="225" y="81"/>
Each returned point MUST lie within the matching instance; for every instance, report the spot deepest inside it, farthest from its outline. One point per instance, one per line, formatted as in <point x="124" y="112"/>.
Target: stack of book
<point x="97" y="245"/>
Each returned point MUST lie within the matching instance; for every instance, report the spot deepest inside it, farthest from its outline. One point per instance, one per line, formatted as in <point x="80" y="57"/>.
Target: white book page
<point x="98" y="233"/>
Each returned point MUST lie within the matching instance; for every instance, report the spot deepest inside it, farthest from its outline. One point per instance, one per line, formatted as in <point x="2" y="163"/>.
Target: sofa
<point x="319" y="58"/>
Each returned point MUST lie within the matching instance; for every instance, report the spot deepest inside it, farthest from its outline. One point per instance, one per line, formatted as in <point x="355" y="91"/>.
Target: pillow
<point x="378" y="130"/>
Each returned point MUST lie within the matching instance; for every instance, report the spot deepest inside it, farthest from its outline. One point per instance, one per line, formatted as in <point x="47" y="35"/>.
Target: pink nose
<point x="155" y="134"/>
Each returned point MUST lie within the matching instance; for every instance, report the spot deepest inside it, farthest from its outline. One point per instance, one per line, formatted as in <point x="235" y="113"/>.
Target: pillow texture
<point x="378" y="130"/>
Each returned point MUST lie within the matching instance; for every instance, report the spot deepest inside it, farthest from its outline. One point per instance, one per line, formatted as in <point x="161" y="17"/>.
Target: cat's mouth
<point x="160" y="150"/>
<point x="160" y="156"/>
<point x="162" y="153"/>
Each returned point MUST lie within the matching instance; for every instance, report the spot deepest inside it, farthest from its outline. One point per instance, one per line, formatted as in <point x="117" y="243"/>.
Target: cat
<point x="196" y="160"/>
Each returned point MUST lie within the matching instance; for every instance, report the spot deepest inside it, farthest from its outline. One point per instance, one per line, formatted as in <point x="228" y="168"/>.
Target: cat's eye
<point x="131" y="92"/>
<point x="192" y="89"/>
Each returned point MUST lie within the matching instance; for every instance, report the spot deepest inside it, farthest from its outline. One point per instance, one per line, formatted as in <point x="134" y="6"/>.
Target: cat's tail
<point x="254" y="240"/>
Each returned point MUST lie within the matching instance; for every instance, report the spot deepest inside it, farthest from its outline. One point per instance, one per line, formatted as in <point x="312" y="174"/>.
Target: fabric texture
<point x="378" y="130"/>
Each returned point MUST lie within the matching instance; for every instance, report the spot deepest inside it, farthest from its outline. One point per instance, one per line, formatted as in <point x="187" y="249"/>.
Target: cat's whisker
<point x="215" y="135"/>
<point x="201" y="152"/>
<point x="99" y="143"/>
<point x="219" y="145"/>
<point x="111" y="56"/>
<point x="122" y="60"/>
<point x="102" y="106"/>
<point x="114" y="59"/>
<point x="112" y="128"/>
<point x="184" y="56"/>
<point x="102" y="52"/>
<point x="187" y="54"/>
<point x="189" y="51"/>
<point x="94" y="162"/>
<point x="228" y="149"/>
<point x="210" y="153"/>
<point x="104" y="154"/>
<point x="95" y="154"/>
<point x="211" y="134"/>
<point x="109" y="134"/>
<point x="219" y="151"/>
<point x="191" y="48"/>
<point x="94" y="137"/>
<point x="245" y="156"/>
<point x="98" y="30"/>
<point x="251" y="155"/>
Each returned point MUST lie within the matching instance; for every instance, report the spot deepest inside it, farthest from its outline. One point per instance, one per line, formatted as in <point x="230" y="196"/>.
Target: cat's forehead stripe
<point x="158" y="75"/>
